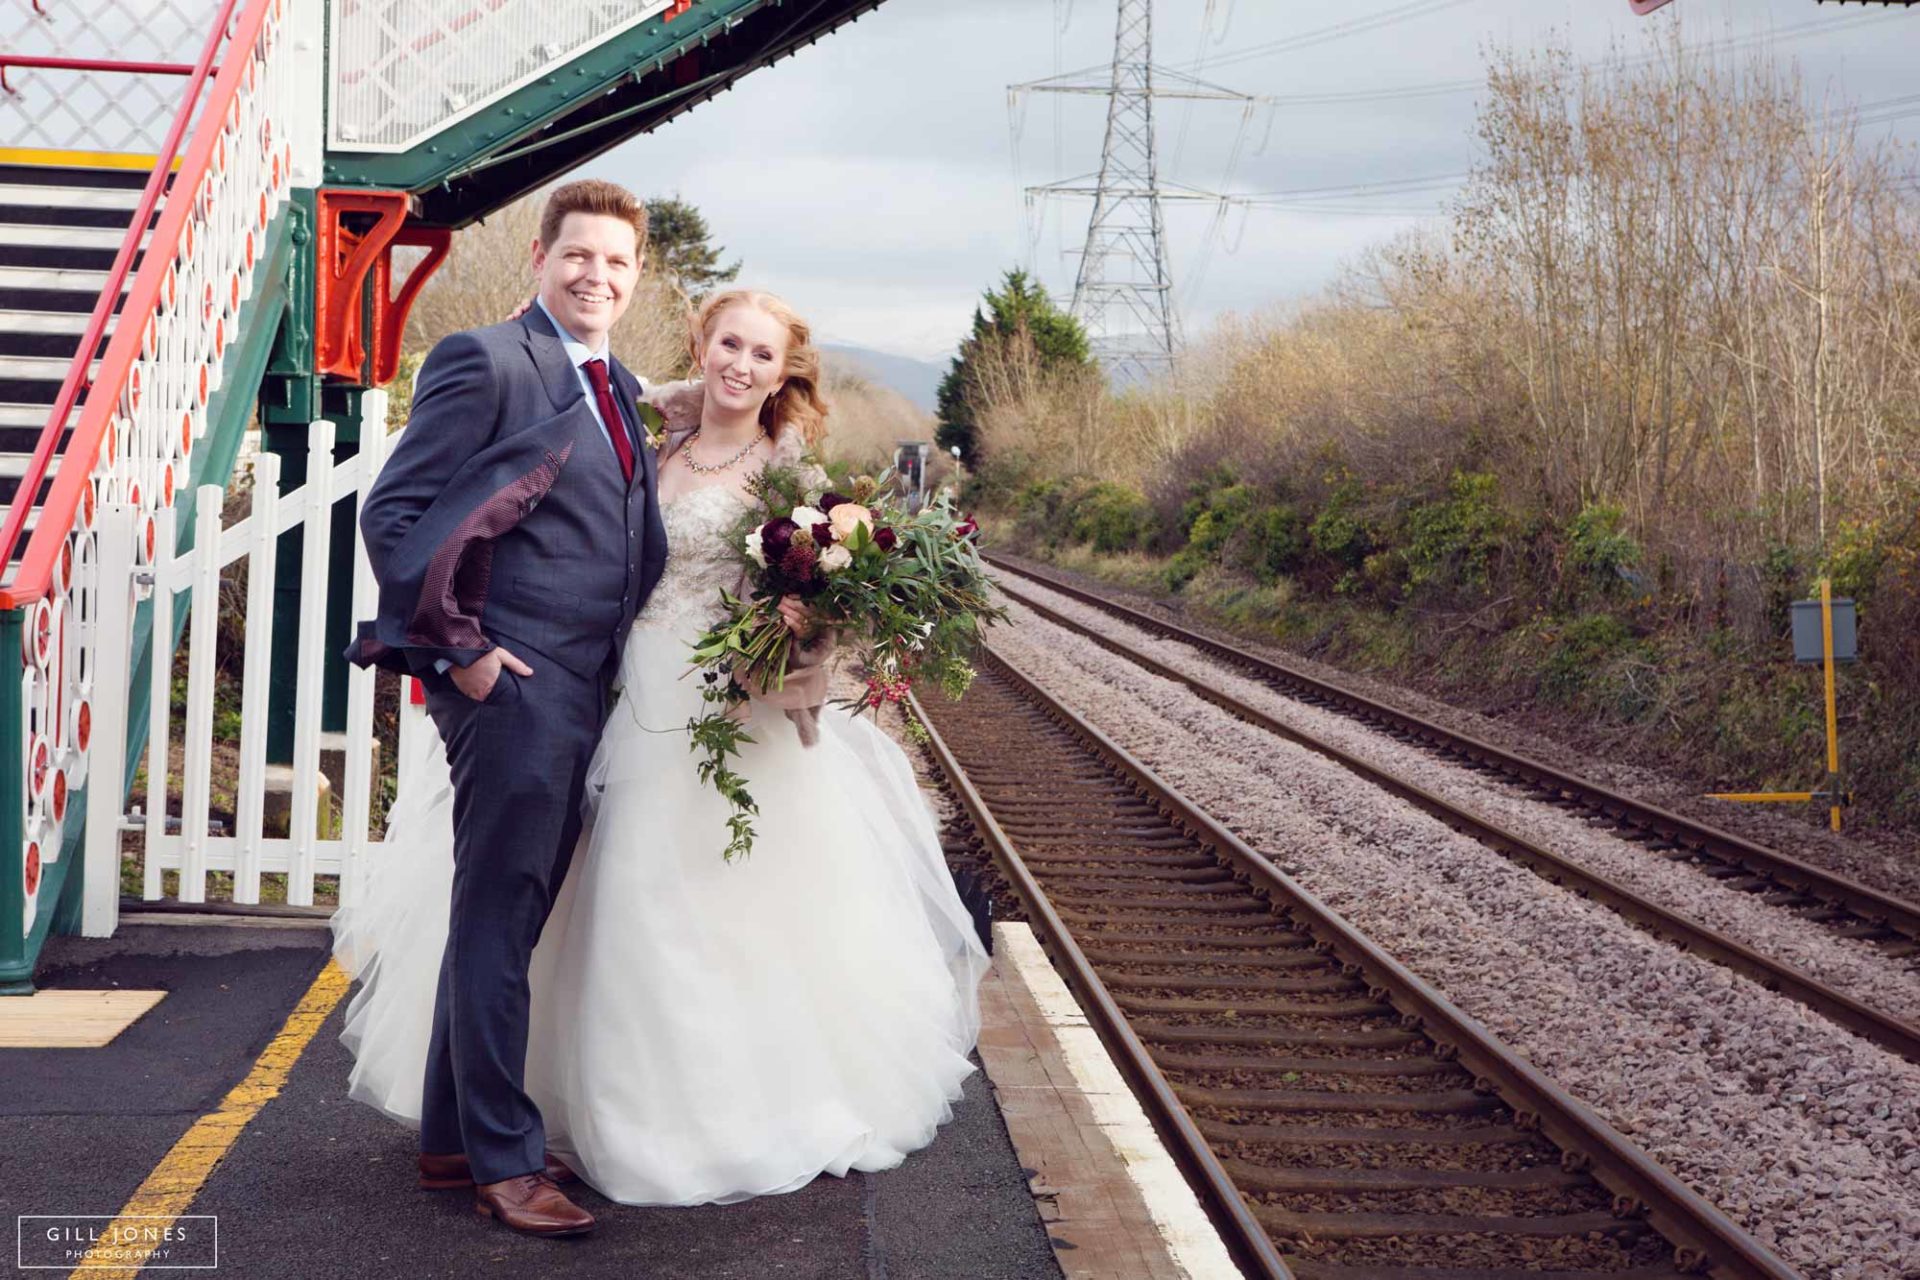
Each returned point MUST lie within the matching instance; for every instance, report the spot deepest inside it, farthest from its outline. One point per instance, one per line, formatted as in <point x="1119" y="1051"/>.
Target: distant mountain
<point x="917" y="380"/>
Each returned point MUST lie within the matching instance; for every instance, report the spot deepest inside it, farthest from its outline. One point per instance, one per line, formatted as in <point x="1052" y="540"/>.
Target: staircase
<point x="59" y="231"/>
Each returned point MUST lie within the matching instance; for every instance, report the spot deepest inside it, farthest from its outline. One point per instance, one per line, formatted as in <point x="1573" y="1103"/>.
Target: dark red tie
<point x="610" y="414"/>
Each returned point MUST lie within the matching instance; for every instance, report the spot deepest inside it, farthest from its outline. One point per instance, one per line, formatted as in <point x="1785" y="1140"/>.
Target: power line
<point x="1341" y="30"/>
<point x="1431" y="88"/>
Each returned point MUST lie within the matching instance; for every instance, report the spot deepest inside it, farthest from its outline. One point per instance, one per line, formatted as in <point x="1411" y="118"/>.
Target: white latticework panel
<point x="98" y="110"/>
<point x="403" y="70"/>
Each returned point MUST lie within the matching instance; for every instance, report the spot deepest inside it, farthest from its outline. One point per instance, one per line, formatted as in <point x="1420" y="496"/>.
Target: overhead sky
<point x="875" y="178"/>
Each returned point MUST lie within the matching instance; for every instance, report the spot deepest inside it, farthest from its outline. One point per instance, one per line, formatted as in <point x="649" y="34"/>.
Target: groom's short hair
<point x="596" y="196"/>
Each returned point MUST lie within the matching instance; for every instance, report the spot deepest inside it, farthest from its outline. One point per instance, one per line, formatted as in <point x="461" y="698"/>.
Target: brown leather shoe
<point x="443" y="1173"/>
<point x="531" y="1204"/>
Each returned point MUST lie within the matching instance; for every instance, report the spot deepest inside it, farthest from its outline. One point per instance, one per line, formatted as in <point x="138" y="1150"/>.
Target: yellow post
<point x="1833" y="721"/>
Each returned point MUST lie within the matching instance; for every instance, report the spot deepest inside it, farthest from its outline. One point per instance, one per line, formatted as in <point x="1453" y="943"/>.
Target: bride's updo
<point x="798" y="404"/>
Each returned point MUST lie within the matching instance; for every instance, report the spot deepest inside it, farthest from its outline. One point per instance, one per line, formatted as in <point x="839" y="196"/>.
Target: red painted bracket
<point x="679" y="7"/>
<point x="346" y="260"/>
<point x="390" y="310"/>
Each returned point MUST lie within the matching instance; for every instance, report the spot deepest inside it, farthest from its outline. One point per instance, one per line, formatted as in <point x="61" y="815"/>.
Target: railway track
<point x="1339" y="1118"/>
<point x="1852" y="909"/>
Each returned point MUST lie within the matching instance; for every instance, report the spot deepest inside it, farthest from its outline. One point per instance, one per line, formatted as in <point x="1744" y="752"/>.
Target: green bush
<point x="1454" y="542"/>
<point x="1112" y="517"/>
<point x="1182" y="567"/>
<point x="1578" y="650"/>
<point x="1042" y="508"/>
<point x="1225" y="511"/>
<point x="1854" y="559"/>
<point x="1272" y="542"/>
<point x="1338" y="532"/>
<point x="1597" y="549"/>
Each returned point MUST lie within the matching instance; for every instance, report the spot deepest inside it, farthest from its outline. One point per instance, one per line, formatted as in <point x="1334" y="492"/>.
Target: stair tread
<point x="18" y="414"/>
<point x="67" y="177"/>
<point x="73" y="322"/>
<point x="39" y="233"/>
<point x="82" y="280"/>
<point x="17" y="193"/>
<point x="14" y="465"/>
<point x="49" y="367"/>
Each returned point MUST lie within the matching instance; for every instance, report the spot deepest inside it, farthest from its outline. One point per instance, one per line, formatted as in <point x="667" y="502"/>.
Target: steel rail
<point x="1883" y="1029"/>
<point x="1704" y="1239"/>
<point x="1861" y="900"/>
<point x="35" y="575"/>
<point x="1245" y="1237"/>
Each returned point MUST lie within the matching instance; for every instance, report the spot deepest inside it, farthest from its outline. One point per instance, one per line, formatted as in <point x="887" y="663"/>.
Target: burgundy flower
<point x="968" y="529"/>
<point x="823" y="534"/>
<point x="828" y="501"/>
<point x="798" y="563"/>
<point x="885" y="538"/>
<point x="775" y="537"/>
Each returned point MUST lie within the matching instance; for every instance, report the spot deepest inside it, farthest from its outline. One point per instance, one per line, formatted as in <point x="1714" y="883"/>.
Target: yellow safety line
<point x="170" y="1189"/>
<point x="78" y="159"/>
<point x="1763" y="797"/>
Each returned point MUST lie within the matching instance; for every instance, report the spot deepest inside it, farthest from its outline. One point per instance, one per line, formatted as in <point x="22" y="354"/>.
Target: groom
<point x="514" y="533"/>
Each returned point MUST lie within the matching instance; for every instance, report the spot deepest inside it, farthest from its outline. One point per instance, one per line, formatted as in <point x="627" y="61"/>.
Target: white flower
<point x="755" y="551"/>
<point x="807" y="517"/>
<point x="835" y="558"/>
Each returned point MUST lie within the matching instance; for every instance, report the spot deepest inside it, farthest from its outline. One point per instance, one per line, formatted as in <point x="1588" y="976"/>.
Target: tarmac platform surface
<point x="317" y="1186"/>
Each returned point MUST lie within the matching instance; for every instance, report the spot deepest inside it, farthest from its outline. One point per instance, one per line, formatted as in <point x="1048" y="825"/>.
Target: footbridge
<point x="199" y="208"/>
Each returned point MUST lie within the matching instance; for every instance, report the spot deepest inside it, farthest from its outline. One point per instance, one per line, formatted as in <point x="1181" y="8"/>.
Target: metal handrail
<point x="35" y="577"/>
<point x="88" y="64"/>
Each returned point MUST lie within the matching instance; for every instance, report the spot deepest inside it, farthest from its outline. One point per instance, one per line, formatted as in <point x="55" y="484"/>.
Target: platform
<point x="307" y="1184"/>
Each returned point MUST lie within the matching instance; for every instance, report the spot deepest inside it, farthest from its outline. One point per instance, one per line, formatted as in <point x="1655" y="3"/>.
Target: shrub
<point x="1455" y="541"/>
<point x="1581" y="646"/>
<point x="1597" y="549"/>
<point x="1271" y="543"/>
<point x="1338" y="532"/>
<point x="1111" y="516"/>
<point x="1854" y="559"/>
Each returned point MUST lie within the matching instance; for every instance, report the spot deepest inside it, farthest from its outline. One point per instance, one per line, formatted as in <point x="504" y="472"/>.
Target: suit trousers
<point x="519" y="762"/>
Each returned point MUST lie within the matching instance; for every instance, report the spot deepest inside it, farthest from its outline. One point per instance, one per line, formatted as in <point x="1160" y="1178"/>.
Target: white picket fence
<point x="158" y="572"/>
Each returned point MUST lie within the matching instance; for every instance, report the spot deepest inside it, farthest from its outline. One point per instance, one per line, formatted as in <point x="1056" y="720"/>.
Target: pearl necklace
<point x="700" y="468"/>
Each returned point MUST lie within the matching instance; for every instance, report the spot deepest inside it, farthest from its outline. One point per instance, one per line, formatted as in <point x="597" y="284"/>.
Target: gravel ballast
<point x="1802" y="1132"/>
<point x="1852" y="966"/>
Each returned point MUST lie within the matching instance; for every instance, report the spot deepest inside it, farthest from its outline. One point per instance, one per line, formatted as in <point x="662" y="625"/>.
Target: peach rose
<point x="848" y="516"/>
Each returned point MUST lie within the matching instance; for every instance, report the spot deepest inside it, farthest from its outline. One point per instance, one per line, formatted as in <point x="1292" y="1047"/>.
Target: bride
<point x="705" y="1032"/>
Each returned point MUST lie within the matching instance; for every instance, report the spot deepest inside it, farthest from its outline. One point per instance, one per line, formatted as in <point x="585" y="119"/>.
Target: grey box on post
<point x="1806" y="632"/>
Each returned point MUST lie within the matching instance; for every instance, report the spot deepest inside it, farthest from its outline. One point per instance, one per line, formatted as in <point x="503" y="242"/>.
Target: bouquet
<point x="905" y="590"/>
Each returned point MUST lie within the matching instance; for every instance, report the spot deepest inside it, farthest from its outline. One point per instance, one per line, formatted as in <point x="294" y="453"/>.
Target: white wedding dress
<point x="702" y="1031"/>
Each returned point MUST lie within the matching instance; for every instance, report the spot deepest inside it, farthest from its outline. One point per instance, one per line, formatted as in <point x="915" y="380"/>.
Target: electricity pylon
<point x="1124" y="291"/>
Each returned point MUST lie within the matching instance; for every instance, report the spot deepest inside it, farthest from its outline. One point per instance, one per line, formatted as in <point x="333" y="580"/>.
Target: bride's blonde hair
<point x="798" y="403"/>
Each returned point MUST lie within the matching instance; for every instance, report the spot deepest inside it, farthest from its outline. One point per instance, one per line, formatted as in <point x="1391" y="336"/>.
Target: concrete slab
<point x="1115" y="1204"/>
<point x="71" y="1019"/>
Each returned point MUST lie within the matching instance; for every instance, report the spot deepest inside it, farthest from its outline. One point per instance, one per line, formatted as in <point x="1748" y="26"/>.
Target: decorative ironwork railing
<point x="401" y="70"/>
<point x="132" y="442"/>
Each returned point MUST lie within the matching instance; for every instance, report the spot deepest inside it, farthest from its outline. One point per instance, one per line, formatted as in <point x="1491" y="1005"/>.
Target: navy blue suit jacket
<point x="499" y="426"/>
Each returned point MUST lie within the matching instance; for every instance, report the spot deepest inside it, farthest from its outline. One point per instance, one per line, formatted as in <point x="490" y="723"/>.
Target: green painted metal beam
<point x="631" y="84"/>
<point x="19" y="948"/>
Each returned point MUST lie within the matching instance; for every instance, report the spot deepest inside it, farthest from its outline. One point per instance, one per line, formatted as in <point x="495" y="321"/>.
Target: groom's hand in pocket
<point x="477" y="681"/>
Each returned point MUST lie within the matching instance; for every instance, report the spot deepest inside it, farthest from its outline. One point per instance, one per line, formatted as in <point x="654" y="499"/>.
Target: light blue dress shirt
<point x="578" y="353"/>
